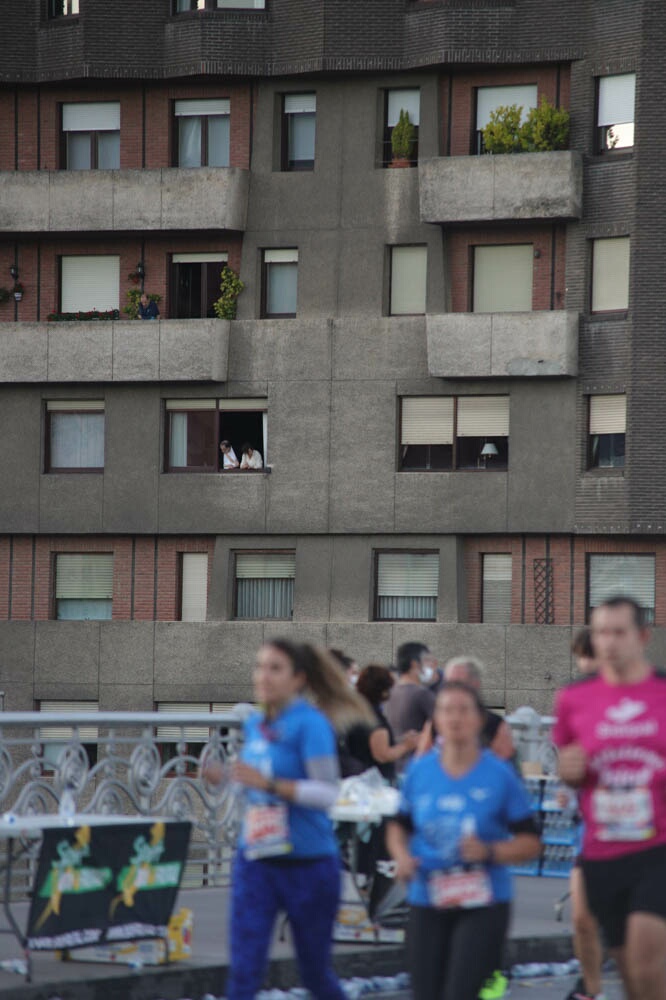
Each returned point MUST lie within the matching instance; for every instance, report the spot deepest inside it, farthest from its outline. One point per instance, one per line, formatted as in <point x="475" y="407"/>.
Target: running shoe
<point x="494" y="987"/>
<point x="578" y="993"/>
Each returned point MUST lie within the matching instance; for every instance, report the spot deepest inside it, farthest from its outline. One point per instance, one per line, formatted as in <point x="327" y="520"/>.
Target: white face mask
<point x="427" y="675"/>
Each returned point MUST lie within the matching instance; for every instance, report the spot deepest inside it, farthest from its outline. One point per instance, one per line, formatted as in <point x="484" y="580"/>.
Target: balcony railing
<point x="125" y="769"/>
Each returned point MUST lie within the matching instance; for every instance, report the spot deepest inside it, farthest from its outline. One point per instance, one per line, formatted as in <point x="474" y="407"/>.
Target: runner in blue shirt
<point x="464" y="817"/>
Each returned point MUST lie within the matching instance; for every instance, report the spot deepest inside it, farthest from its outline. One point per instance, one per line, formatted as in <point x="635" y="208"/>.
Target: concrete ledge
<point x="121" y="200"/>
<point x="479" y="345"/>
<point x="124" y="351"/>
<point x="499" y="188"/>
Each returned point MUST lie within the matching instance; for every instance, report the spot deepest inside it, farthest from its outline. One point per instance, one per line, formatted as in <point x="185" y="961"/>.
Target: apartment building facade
<point x="453" y="371"/>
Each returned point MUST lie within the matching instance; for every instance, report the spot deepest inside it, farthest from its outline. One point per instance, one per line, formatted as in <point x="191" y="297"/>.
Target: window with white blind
<point x="610" y="274"/>
<point x="195" y="428"/>
<point x="89" y="282"/>
<point x="265" y="584"/>
<point x="63" y="8"/>
<point x="299" y="118"/>
<point x="83" y="586"/>
<point x="193" y="586"/>
<point x="489" y="99"/>
<point x="608" y="425"/>
<point x="408" y="280"/>
<point x="91" y="135"/>
<point x="75" y="435"/>
<point x="616" y="99"/>
<point x="202" y="132"/>
<point x="496" y="595"/>
<point x="54" y="736"/>
<point x="628" y="575"/>
<point x="446" y="432"/>
<point x="407" y="586"/>
<point x="183" y="6"/>
<point x="279" y="282"/>
<point x="503" y="277"/>
<point x="396" y="100"/>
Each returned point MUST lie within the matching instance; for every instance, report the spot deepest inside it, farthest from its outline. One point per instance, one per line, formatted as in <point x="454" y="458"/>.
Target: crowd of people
<point x="464" y="816"/>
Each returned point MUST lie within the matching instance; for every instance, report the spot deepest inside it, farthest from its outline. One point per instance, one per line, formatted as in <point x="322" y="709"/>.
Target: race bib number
<point x="266" y="831"/>
<point x="466" y="889"/>
<point x="623" y="814"/>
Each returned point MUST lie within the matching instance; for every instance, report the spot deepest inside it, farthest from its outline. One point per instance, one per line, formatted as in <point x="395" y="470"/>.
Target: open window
<point x="243" y="422"/>
<point x="195" y="283"/>
<point x="482" y="432"/>
<point x="616" y="99"/>
<point x="608" y="424"/>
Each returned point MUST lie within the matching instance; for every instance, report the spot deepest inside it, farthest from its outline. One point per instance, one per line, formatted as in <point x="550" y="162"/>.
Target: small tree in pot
<point x="402" y="140"/>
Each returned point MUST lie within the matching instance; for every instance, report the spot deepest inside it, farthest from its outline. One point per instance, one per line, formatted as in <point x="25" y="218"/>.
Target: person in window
<point x="147" y="307"/>
<point x="250" y="458"/>
<point x="229" y="460"/>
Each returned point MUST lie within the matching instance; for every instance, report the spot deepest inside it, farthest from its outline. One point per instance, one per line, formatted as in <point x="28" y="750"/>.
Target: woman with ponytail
<point x="287" y="858"/>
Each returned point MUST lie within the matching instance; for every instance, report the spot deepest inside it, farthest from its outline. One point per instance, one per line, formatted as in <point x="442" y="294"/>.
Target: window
<point x="299" y="116"/>
<point x="615" y="112"/>
<point x="91" y="282"/>
<point x="195" y="428"/>
<point x="265" y="584"/>
<point x="202" y="133"/>
<point x="408" y="280"/>
<point x="195" y="283"/>
<point x="63" y="8"/>
<point x="503" y="278"/>
<point x="182" y="6"/>
<point x="610" y="274"/>
<point x="75" y="435"/>
<point x="488" y="99"/>
<point x="407" y="586"/>
<point x="280" y="283"/>
<point x="193" y="586"/>
<point x="608" y="419"/>
<point x="83" y="587"/>
<point x="396" y="101"/>
<point x="496" y="596"/>
<point x="54" y="738"/>
<point x="91" y="136"/>
<point x="444" y="432"/>
<point x="632" y="576"/>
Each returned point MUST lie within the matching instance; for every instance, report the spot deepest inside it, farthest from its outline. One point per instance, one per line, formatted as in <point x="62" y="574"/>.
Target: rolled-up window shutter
<point x="497" y="589"/>
<point x="633" y="576"/>
<point x="503" y="278"/>
<point x="64" y="733"/>
<point x="407" y="574"/>
<point x="408" y="280"/>
<point x="608" y="414"/>
<point x="189" y="733"/>
<point x="488" y="99"/>
<point x="265" y="566"/>
<point x="231" y="405"/>
<point x="211" y="106"/>
<point x="191" y="404"/>
<point x="617" y="99"/>
<point x="295" y="104"/>
<point x="194" y="601"/>
<point x="91" y="116"/>
<point x="408" y="100"/>
<point x="209" y="257"/>
<point x="279" y="256"/>
<point x="91" y="282"/>
<point x="84" y="576"/>
<point x="483" y="416"/>
<point x="69" y="405"/>
<point x="610" y="274"/>
<point x="427" y="420"/>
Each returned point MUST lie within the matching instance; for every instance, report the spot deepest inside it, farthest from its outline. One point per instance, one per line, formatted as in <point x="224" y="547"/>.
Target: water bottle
<point x="67" y="807"/>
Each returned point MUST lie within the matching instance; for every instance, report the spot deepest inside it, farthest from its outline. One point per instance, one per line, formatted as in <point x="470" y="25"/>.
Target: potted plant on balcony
<point x="545" y="129"/>
<point x="230" y="288"/>
<point x="18" y="291"/>
<point x="402" y="140"/>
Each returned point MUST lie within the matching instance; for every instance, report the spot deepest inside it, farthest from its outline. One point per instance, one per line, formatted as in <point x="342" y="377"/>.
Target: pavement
<point x="535" y="936"/>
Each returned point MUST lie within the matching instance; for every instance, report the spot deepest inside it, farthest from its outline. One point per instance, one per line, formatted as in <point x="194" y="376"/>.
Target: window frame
<point x="211" y="5"/>
<point x="375" y="587"/>
<point x="265" y="265"/>
<point x="76" y="470"/>
<point x="285" y="120"/>
<point x="402" y="246"/>
<point x="217" y="410"/>
<point x="454" y="446"/>
<point x="473" y="247"/>
<point x="53" y="15"/>
<point x="650" y="619"/>
<point x="476" y="138"/>
<point x="204" y="118"/>
<point x="54" y="583"/>
<point x="597" y="469"/>
<point x="260" y="552"/>
<point x="600" y="131"/>
<point x="623" y="311"/>
<point x="386" y="146"/>
<point x="483" y="556"/>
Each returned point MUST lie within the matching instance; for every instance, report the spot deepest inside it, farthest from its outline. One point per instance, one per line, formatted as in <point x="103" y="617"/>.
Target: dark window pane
<point x="414" y="456"/>
<point x="470" y="448"/>
<point x="78" y="151"/>
<point x="607" y="451"/>
<point x="441" y="456"/>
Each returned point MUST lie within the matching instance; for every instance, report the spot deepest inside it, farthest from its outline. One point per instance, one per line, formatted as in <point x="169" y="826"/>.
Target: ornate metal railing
<point x="119" y="762"/>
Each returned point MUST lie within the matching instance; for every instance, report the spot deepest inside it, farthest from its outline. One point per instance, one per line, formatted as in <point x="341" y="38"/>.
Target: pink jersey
<point x="622" y="729"/>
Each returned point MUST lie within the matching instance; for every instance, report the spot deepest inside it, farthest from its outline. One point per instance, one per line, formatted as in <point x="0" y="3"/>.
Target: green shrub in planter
<point x="230" y="288"/>
<point x="402" y="137"/>
<point x="546" y="128"/>
<point x="502" y="133"/>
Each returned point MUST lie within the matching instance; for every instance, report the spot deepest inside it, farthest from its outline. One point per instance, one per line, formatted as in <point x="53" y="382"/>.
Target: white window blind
<point x="503" y="278"/>
<point x="488" y="99"/>
<point x="407" y="100"/>
<point x="610" y="274"/>
<point x="408" y="280"/>
<point x="265" y="565"/>
<point x="497" y="589"/>
<point x="300" y="104"/>
<point x="427" y="420"/>
<point x="608" y="414"/>
<point x="210" y="257"/>
<point x="190" y="733"/>
<point x="84" y="576"/>
<point x="91" y="116"/>
<point x="229" y="405"/>
<point x="69" y="405"/>
<point x="483" y="416"/>
<point x="617" y="97"/>
<point x="191" y="404"/>
<point x="91" y="282"/>
<point x="194" y="594"/>
<point x="209" y="106"/>
<point x="64" y="733"/>
<point x="288" y="256"/>
<point x="633" y="576"/>
<point x="407" y="574"/>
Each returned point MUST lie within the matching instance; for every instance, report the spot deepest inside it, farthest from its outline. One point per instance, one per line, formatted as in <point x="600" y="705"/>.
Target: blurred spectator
<point x="250" y="459"/>
<point x="229" y="460"/>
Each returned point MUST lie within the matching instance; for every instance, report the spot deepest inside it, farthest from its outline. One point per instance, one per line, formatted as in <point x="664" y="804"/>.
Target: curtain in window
<point x="281" y="293"/>
<point x="218" y="141"/>
<point x="264" y="598"/>
<point x="78" y="151"/>
<point x="302" y="137"/>
<point x="417" y="608"/>
<point x="178" y="441"/>
<point x="407" y="585"/>
<point x="620" y="574"/>
<point x="77" y="440"/>
<point x="189" y="141"/>
<point x="108" y="151"/>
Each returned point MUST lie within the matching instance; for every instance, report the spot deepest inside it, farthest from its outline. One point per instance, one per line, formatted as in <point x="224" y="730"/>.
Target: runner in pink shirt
<point x="611" y="730"/>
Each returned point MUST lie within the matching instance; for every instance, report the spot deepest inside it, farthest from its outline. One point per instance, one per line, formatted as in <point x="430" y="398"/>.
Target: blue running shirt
<point x="441" y="809"/>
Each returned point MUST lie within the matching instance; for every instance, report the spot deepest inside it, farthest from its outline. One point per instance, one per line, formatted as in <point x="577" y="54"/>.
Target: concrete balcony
<point x="123" y="200"/>
<point x="174" y="350"/>
<point x="478" y="345"/>
<point x="539" y="186"/>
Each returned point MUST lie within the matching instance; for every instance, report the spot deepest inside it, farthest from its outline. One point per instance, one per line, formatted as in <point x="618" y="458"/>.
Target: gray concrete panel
<point x="210" y="504"/>
<point x="379" y="348"/>
<point x="17" y="653"/>
<point x="67" y="658"/>
<point x="313" y="634"/>
<point x="80" y="200"/>
<point x="540" y="701"/>
<point x="23" y="351"/>
<point x="296" y="505"/>
<point x="537" y="658"/>
<point x="137" y="199"/>
<point x="128" y="698"/>
<point x="206" y="198"/>
<point x="290" y="349"/>
<point x="200" y="662"/>
<point x="194" y="350"/>
<point x="366" y="643"/>
<point x="387" y="198"/>
<point x="71" y="502"/>
<point x="467" y="501"/>
<point x="24" y="199"/>
<point x="19" y="697"/>
<point x="127" y="652"/>
<point x="311" y="586"/>
<point x="20" y="419"/>
<point x="132" y="474"/>
<point x="451" y="581"/>
<point x="136" y="350"/>
<point x="351" y="580"/>
<point x="299" y="427"/>
<point x="80" y="352"/>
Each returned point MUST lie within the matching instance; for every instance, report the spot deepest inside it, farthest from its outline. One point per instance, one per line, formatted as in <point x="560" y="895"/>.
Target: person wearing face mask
<point x="411" y="704"/>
